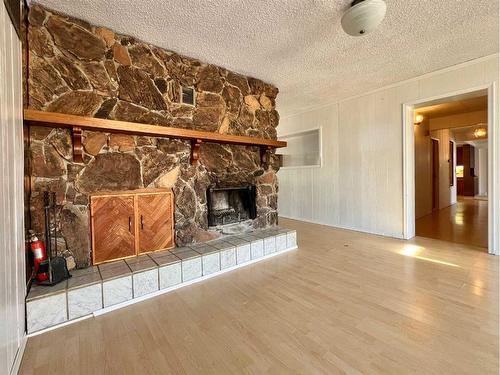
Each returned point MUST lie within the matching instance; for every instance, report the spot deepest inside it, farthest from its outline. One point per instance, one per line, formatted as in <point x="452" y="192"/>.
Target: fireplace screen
<point x="230" y="205"/>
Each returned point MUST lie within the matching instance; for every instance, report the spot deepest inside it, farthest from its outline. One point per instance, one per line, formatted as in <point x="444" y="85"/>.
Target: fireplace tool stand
<point x="55" y="265"/>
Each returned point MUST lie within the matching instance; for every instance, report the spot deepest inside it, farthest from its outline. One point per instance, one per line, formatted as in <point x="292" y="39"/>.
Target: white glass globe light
<point x="363" y="16"/>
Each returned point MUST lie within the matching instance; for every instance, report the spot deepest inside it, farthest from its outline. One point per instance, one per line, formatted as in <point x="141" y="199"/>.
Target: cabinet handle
<point x="142" y="222"/>
<point x="130" y="224"/>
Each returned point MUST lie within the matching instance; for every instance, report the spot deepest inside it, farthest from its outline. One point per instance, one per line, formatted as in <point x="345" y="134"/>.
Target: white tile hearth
<point x="269" y="245"/>
<point x="227" y="258"/>
<point x="170" y="270"/>
<point x="84" y="293"/>
<point x="117" y="290"/>
<point x="191" y="264"/>
<point x="46" y="312"/>
<point x="281" y="242"/>
<point x="243" y="253"/>
<point x="170" y="275"/>
<point x="191" y="269"/>
<point x="145" y="282"/>
<point x="210" y="263"/>
<point x="256" y="248"/>
<point x="84" y="301"/>
<point x="291" y="239"/>
<point x="145" y="275"/>
<point x="101" y="287"/>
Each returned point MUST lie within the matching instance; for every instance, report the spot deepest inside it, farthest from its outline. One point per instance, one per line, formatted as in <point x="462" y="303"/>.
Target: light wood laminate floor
<point x="344" y="302"/>
<point x="465" y="222"/>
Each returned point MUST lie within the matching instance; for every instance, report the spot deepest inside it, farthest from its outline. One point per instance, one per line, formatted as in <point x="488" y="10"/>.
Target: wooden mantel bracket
<point x="195" y="150"/>
<point x="76" y="134"/>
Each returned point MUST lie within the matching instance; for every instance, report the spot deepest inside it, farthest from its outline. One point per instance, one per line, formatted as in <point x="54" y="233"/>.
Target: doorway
<point x="438" y="207"/>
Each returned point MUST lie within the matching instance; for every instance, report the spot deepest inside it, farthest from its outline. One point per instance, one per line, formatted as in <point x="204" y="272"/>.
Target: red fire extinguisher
<point x="39" y="255"/>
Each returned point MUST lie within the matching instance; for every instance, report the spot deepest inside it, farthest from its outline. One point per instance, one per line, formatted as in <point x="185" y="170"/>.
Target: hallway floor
<point x="465" y="222"/>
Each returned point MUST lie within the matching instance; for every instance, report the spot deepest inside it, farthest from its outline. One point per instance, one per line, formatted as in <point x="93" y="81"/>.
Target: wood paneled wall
<point x="360" y="185"/>
<point x="12" y="272"/>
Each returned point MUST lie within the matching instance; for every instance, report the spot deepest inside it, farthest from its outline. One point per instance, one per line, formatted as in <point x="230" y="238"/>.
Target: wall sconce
<point x="418" y="119"/>
<point x="480" y="133"/>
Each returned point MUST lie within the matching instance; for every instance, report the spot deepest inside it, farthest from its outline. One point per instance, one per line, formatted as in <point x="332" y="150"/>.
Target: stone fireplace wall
<point x="77" y="68"/>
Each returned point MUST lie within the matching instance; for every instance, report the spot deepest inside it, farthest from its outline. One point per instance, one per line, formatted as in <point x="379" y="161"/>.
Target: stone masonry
<point x="80" y="69"/>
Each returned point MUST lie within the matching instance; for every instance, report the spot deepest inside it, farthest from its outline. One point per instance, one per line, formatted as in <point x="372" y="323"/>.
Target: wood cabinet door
<point x="113" y="227"/>
<point x="155" y="222"/>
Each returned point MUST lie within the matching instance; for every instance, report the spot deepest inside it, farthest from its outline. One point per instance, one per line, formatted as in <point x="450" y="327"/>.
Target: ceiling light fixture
<point x="418" y="119"/>
<point x="480" y="133"/>
<point x="363" y="16"/>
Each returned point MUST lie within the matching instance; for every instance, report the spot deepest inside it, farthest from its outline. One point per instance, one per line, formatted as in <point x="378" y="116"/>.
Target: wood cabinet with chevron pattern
<point x="130" y="223"/>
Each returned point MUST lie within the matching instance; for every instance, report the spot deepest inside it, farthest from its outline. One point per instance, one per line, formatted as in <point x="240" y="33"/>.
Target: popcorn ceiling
<point x="299" y="45"/>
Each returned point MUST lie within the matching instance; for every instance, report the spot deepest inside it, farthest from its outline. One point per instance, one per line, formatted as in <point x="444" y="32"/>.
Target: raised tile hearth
<point x="117" y="283"/>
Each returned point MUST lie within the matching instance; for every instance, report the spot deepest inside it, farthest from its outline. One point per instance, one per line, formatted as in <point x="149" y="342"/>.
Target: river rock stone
<point x="137" y="87"/>
<point x="39" y="133"/>
<point x="36" y="15"/>
<point x="120" y="54"/>
<point x="126" y="111"/>
<point x="60" y="139"/>
<point x="209" y="79"/>
<point x="111" y="171"/>
<point x="82" y="103"/>
<point x="98" y="77"/>
<point x="232" y="98"/>
<point x="239" y="81"/>
<point x="75" y="229"/>
<point x="40" y="41"/>
<point x="45" y="82"/>
<point x="215" y="157"/>
<point x="106" y="108"/>
<point x="168" y="180"/>
<point x="252" y="102"/>
<point x="94" y="142"/>
<point x="75" y="39"/>
<point x="45" y="161"/>
<point x="256" y="86"/>
<point x="154" y="163"/>
<point x="121" y="142"/>
<point x="266" y="103"/>
<point x="107" y="35"/>
<point x="143" y="58"/>
<point x="122" y="78"/>
<point x="274" y="118"/>
<point x="71" y="73"/>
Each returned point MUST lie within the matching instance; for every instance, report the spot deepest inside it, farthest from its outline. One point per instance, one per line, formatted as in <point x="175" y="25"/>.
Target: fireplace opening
<point x="230" y="205"/>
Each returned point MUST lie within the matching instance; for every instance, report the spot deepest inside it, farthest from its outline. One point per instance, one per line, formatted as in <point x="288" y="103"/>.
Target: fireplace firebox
<point x="228" y="205"/>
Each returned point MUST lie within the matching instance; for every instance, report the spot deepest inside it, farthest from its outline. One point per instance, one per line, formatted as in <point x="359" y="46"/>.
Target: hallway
<point x="465" y="222"/>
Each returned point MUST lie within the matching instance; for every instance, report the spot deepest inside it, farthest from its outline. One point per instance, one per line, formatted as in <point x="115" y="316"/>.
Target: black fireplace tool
<point x="55" y="265"/>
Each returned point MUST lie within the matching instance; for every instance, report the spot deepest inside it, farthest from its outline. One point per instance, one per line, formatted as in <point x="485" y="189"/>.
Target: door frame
<point x="493" y="164"/>
<point x="436" y="207"/>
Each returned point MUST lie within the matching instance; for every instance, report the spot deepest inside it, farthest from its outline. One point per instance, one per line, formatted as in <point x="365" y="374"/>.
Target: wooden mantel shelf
<point x="79" y="123"/>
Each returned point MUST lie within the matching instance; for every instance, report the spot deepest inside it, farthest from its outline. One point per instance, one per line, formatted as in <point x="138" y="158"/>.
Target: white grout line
<point x="160" y="292"/>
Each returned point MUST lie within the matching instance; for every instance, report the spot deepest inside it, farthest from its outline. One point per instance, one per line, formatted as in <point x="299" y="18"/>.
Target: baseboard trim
<point x="398" y="236"/>
<point x="16" y="366"/>
<point x="159" y="292"/>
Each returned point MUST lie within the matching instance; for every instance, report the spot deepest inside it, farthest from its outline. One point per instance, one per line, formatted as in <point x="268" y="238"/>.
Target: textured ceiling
<point x="299" y="45"/>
